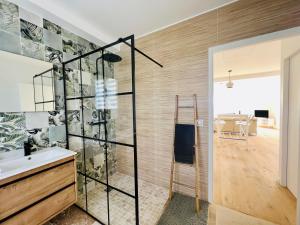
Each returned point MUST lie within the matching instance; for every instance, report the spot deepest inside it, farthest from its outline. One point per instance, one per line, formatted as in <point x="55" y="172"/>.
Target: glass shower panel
<point x="121" y="209"/>
<point x="81" y="194"/>
<point x="90" y="114"/>
<point x="102" y="131"/>
<point x="97" y="200"/>
<point x="123" y="71"/>
<point x="121" y="129"/>
<point x="76" y="145"/>
<point x="74" y="117"/>
<point x="73" y="82"/>
<point x="88" y="68"/>
<point x="95" y="160"/>
<point x="123" y="176"/>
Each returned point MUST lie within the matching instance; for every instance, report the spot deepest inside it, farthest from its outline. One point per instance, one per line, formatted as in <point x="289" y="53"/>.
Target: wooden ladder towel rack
<point x="196" y="156"/>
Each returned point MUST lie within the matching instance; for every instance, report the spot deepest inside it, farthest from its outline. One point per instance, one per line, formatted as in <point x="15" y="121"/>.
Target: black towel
<point x="184" y="143"/>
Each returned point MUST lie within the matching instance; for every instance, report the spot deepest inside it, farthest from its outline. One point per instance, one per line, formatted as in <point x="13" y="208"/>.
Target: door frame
<point x="283" y="109"/>
<point x="285" y="112"/>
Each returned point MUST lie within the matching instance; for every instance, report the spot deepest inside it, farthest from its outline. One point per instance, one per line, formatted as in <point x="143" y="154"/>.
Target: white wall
<point x="247" y="95"/>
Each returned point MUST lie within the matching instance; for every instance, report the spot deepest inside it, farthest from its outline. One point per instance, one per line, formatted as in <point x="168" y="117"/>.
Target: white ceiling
<point x="118" y="18"/>
<point x="254" y="60"/>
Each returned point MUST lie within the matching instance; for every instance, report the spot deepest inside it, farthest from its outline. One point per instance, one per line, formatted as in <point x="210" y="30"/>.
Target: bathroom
<point x="105" y="108"/>
<point x="68" y="127"/>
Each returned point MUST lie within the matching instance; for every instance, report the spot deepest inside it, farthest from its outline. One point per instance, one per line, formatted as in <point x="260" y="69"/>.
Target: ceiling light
<point x="229" y="84"/>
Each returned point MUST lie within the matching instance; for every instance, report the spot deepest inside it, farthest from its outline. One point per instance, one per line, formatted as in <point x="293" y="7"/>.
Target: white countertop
<point x="19" y="164"/>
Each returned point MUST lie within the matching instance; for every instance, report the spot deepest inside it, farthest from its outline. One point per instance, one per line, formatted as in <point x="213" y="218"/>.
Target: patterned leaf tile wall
<point x="27" y="34"/>
<point x="13" y="131"/>
<point x="41" y="39"/>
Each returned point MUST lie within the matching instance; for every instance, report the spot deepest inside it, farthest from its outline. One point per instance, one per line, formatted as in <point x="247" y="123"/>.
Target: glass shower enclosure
<point x="100" y="113"/>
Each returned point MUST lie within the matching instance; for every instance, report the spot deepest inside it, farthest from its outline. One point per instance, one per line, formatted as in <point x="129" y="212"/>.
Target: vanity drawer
<point x="45" y="210"/>
<point x="25" y="192"/>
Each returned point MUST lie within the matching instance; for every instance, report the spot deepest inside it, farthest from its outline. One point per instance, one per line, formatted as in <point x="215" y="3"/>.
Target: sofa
<point x="229" y="125"/>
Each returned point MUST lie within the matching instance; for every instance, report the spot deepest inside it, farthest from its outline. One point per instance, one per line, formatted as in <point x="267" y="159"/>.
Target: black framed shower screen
<point x="77" y="99"/>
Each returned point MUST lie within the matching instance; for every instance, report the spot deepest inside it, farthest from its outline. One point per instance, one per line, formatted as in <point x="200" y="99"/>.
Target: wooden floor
<point x="246" y="179"/>
<point x="218" y="215"/>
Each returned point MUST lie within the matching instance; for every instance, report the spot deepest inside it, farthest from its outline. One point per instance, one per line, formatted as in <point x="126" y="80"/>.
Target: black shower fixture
<point x="111" y="57"/>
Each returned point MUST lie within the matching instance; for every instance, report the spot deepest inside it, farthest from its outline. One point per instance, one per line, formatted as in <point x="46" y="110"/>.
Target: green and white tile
<point x="52" y="27"/>
<point x="12" y="131"/>
<point x="10" y="42"/>
<point x="32" y="49"/>
<point x="9" y="17"/>
<point x="31" y="31"/>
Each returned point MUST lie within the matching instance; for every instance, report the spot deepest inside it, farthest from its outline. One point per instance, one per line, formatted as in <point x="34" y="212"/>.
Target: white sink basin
<point x="11" y="167"/>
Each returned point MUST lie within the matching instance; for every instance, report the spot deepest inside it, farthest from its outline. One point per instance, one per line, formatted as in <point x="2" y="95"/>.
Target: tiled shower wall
<point x="41" y="129"/>
<point x="24" y="33"/>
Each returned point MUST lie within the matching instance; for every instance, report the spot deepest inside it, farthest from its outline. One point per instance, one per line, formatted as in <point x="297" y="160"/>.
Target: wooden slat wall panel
<point x="183" y="50"/>
<point x="251" y="18"/>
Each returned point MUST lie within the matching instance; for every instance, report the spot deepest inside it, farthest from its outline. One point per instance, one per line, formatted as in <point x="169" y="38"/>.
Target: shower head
<point x="110" y="57"/>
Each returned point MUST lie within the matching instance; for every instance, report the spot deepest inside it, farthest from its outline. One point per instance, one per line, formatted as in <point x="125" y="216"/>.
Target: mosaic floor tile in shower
<point x="152" y="200"/>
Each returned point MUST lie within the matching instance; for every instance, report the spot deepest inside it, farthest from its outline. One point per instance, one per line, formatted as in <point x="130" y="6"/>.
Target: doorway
<point x="250" y="171"/>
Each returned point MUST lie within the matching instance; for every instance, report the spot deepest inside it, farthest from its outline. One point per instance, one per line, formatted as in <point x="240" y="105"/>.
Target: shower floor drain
<point x="108" y="189"/>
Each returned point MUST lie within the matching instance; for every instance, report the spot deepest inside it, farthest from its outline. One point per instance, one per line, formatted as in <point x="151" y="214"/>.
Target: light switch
<point x="200" y="123"/>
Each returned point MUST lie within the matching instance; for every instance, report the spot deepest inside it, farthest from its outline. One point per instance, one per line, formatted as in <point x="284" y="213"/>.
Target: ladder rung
<point x="187" y="107"/>
<point x="189" y="186"/>
<point x="186" y="96"/>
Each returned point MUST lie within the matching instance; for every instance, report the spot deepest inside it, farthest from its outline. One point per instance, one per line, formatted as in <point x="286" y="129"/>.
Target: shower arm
<point x="142" y="53"/>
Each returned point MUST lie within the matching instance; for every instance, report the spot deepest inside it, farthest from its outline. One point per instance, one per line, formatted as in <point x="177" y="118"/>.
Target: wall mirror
<point x="26" y="84"/>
